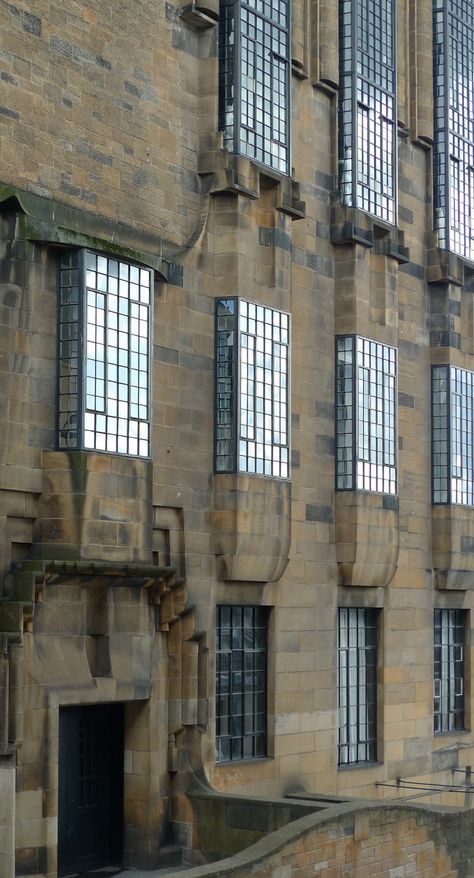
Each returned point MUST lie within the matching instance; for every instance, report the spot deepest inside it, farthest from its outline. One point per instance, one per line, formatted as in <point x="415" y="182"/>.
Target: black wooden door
<point x="90" y="818"/>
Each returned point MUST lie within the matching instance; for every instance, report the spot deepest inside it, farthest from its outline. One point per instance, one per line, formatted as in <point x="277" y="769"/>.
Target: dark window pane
<point x="357" y="668"/>
<point x="241" y="715"/>
<point x="449" y="628"/>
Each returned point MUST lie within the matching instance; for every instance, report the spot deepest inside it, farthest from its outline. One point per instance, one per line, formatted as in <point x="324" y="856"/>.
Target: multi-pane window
<point x="104" y="354"/>
<point x="252" y="397"/>
<point x="357" y="685"/>
<point x="367" y="107"/>
<point x="453" y="52"/>
<point x="449" y="636"/>
<point x="241" y="682"/>
<point x="453" y="435"/>
<point x="254" y="84"/>
<point x="366" y="375"/>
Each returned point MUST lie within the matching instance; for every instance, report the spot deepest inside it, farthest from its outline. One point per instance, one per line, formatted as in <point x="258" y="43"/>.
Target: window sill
<point x="241" y="762"/>
<point x="359" y="766"/>
<point x="450" y="734"/>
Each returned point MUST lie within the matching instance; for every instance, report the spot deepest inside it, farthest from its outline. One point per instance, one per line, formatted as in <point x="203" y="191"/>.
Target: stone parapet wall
<point x="357" y="840"/>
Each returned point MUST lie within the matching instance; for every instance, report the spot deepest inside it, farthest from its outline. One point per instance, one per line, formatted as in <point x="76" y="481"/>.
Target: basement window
<point x="357" y="685"/>
<point x="241" y="683"/>
<point x="449" y="636"/>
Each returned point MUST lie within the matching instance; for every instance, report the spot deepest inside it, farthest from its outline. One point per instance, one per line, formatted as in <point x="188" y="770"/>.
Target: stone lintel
<point x="49" y="222"/>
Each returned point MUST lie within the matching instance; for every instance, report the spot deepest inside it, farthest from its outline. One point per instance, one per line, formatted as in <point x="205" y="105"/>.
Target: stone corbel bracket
<point x="233" y="174"/>
<point x="367" y="538"/>
<point x="445" y="267"/>
<point x="25" y="583"/>
<point x="453" y="547"/>
<point x="200" y="16"/>
<point x="352" y="226"/>
<point x="251" y="525"/>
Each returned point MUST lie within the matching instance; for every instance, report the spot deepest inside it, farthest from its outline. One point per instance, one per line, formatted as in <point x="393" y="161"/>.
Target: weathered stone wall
<point x="87" y="120"/>
<point x="108" y="120"/>
<point x="384" y="841"/>
<point x="7" y="818"/>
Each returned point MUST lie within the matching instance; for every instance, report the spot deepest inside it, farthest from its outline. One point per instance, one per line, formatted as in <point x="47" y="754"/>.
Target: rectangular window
<point x="241" y="683"/>
<point x="104" y="354"/>
<point x="366" y="436"/>
<point x="254" y="80"/>
<point x="357" y="685"/>
<point x="453" y="159"/>
<point x="449" y="637"/>
<point x="453" y="435"/>
<point x="367" y="107"/>
<point x="252" y="389"/>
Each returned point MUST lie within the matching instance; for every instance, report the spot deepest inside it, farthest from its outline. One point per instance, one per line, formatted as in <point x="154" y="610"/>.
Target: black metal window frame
<point x="453" y="153"/>
<point x="452" y="408"/>
<point x="252" y="410"/>
<point x="105" y="320"/>
<point x="449" y="648"/>
<point x="368" y="171"/>
<point x="357" y="685"/>
<point x="241" y="682"/>
<point x="366" y="415"/>
<point x="254" y="80"/>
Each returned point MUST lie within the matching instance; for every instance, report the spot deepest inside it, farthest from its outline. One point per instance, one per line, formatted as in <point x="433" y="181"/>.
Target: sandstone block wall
<point x="108" y="139"/>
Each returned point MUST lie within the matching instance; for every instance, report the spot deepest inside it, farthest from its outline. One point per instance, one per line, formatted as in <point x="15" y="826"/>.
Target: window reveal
<point x="252" y="393"/>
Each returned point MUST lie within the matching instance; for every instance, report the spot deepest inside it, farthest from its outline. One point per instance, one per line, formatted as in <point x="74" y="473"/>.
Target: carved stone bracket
<point x="352" y="226"/>
<point x="366" y="538"/>
<point x="233" y="174"/>
<point x="453" y="546"/>
<point x="251" y="527"/>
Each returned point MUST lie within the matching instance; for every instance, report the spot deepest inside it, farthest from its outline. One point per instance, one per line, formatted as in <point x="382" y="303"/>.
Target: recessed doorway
<point x="90" y="815"/>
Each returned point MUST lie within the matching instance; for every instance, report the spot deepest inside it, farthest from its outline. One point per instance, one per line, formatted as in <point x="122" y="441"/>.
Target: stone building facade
<point x="236" y="443"/>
